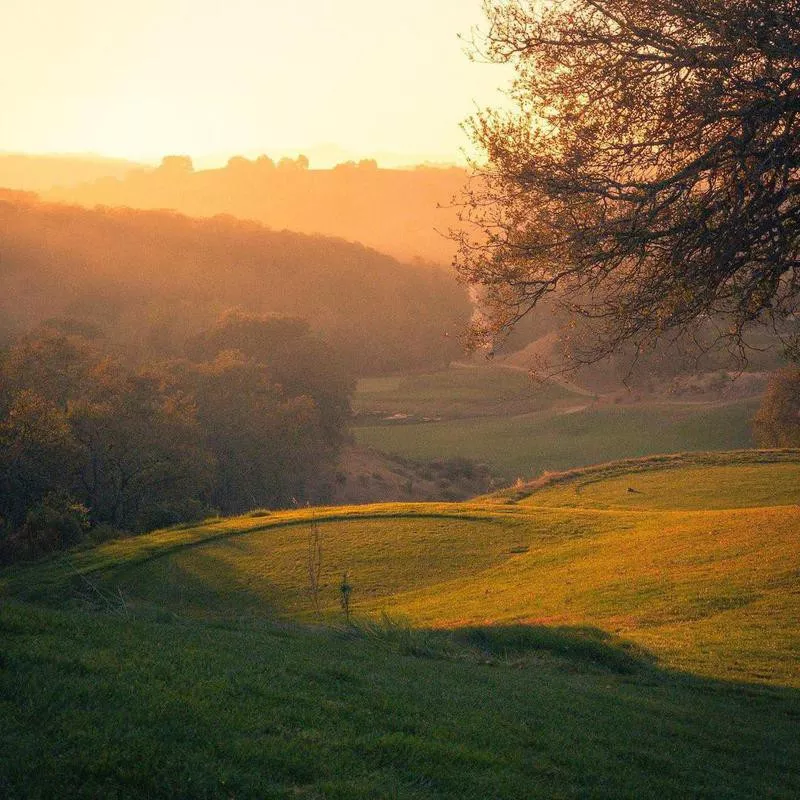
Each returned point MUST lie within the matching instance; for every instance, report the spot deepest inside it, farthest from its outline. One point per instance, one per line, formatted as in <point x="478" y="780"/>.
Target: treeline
<point x="406" y="213"/>
<point x="93" y="442"/>
<point x="153" y="279"/>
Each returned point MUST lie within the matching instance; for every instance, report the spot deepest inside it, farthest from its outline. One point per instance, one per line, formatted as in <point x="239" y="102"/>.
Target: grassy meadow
<point x="499" y="417"/>
<point x="630" y="630"/>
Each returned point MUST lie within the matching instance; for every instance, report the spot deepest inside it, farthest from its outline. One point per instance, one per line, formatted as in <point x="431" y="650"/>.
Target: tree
<point x="38" y="454"/>
<point x="267" y="447"/>
<point x="176" y="166"/>
<point x="53" y="361"/>
<point x="647" y="179"/>
<point x="145" y="465"/>
<point x="777" y="422"/>
<point x="295" y="358"/>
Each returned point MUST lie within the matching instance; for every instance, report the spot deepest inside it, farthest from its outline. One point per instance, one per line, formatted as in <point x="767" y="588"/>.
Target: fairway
<point x="702" y="487"/>
<point x="660" y="556"/>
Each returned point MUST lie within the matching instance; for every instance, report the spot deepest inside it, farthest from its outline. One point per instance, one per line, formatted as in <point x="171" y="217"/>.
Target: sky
<point x="214" y="78"/>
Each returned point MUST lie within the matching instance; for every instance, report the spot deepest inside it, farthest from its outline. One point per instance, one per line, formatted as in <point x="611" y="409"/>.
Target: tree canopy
<point x="156" y="278"/>
<point x="94" y="441"/>
<point x="646" y="178"/>
<point x="777" y="422"/>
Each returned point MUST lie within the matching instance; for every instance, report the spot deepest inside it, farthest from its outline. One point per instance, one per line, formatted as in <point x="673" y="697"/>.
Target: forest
<point x="156" y="368"/>
<point x="94" y="443"/>
<point x="151" y="279"/>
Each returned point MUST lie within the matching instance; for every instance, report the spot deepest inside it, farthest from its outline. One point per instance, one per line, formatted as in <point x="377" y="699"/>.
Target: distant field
<point x="529" y="444"/>
<point x="565" y="638"/>
<point x="461" y="391"/>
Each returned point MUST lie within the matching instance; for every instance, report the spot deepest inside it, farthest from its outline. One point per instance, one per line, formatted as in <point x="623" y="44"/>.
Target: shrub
<point x="54" y="523"/>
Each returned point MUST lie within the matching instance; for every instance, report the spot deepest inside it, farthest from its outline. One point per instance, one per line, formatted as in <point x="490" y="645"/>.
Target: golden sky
<point x="212" y="78"/>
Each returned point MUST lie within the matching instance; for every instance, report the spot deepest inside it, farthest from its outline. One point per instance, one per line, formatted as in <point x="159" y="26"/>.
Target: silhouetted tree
<point x="176" y="165"/>
<point x="238" y="163"/>
<point x="648" y="177"/>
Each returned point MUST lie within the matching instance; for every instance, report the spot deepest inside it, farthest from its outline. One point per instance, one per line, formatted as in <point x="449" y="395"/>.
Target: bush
<point x="56" y="522"/>
<point x="777" y="422"/>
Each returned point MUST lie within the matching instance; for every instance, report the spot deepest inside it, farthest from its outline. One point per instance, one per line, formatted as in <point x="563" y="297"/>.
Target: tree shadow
<point x="567" y="648"/>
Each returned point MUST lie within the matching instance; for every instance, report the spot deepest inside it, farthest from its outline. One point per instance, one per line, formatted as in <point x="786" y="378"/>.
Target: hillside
<point x="153" y="279"/>
<point x="498" y="416"/>
<point x="549" y="648"/>
<point x="404" y="212"/>
<point x="723" y="551"/>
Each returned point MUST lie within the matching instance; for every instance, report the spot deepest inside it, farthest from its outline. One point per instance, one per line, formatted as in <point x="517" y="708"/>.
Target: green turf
<point x="460" y="391"/>
<point x="550" y="440"/>
<point x="97" y="705"/>
<point x="732" y="486"/>
<point x="540" y="643"/>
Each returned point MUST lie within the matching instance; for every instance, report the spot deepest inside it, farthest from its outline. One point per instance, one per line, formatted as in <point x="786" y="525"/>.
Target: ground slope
<point x="500" y="417"/>
<point x="176" y="667"/>
<point x="709" y="583"/>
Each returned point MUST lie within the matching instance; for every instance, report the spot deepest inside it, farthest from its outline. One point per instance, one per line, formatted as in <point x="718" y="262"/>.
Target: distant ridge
<point x="42" y="173"/>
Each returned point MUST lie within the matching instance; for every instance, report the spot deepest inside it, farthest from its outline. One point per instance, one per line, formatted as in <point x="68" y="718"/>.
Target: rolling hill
<point x="151" y="280"/>
<point x="625" y="630"/>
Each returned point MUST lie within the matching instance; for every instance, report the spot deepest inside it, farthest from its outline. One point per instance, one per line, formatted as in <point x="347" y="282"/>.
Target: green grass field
<point x="499" y="417"/>
<point x="464" y="391"/>
<point x="630" y="630"/>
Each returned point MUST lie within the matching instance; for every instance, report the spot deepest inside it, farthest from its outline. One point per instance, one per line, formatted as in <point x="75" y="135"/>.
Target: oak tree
<point x="645" y="179"/>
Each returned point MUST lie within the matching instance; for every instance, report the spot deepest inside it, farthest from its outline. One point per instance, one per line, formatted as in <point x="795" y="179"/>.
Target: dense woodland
<point x="156" y="368"/>
<point x="92" y="443"/>
<point x="152" y="279"/>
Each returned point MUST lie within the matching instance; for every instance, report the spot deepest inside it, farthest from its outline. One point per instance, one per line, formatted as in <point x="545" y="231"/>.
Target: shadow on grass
<point x="165" y="589"/>
<point x="511" y="645"/>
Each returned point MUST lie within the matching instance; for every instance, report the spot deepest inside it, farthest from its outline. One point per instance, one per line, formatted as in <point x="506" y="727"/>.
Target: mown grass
<point x="529" y="444"/>
<point x="738" y="485"/>
<point x="524" y="645"/>
<point x="640" y="571"/>
<point x="644" y="576"/>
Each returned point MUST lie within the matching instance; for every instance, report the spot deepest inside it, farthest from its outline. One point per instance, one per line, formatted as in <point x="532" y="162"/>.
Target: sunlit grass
<point x="734" y="486"/>
<point x="532" y="649"/>
<point x="642" y="573"/>
<point x="641" y="577"/>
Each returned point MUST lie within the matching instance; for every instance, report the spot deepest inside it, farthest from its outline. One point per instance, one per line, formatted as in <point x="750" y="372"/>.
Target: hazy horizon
<point x="139" y="82"/>
<point x="321" y="155"/>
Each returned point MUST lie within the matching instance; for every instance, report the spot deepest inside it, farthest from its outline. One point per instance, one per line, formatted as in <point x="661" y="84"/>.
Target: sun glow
<point x="141" y="80"/>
